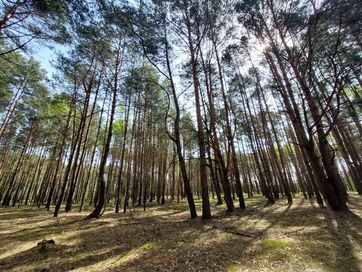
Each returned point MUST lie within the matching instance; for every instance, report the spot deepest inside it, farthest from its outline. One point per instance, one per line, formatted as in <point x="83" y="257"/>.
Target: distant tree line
<point x="161" y="101"/>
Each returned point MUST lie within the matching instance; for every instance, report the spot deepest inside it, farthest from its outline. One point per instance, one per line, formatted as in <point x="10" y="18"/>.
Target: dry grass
<point x="281" y="237"/>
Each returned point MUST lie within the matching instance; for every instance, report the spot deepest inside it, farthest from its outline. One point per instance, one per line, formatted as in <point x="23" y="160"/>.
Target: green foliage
<point x="118" y="128"/>
<point x="41" y="19"/>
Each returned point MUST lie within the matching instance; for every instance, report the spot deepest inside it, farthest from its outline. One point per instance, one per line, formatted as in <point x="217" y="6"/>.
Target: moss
<point x="150" y="246"/>
<point x="232" y="268"/>
<point x="277" y="244"/>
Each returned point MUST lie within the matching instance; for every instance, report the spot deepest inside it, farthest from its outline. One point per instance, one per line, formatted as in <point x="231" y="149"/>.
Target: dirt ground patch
<point x="281" y="237"/>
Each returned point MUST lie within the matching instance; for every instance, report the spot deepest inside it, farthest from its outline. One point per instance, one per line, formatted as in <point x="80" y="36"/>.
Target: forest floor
<point x="280" y="237"/>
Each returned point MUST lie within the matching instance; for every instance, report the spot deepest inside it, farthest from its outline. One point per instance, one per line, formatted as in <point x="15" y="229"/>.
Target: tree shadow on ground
<point x="284" y="237"/>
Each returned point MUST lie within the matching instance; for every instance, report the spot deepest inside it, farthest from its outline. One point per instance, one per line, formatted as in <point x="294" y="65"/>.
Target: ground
<point x="280" y="237"/>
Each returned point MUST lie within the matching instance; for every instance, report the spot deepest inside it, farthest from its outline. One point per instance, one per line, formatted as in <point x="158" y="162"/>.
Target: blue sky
<point x="46" y="56"/>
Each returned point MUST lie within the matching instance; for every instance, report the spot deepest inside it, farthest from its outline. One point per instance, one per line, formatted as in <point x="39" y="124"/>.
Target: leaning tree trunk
<point x="101" y="182"/>
<point x="177" y="138"/>
<point x="206" y="212"/>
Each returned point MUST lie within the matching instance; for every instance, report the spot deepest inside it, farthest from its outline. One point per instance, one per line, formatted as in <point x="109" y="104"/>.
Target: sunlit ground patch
<point x="279" y="237"/>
